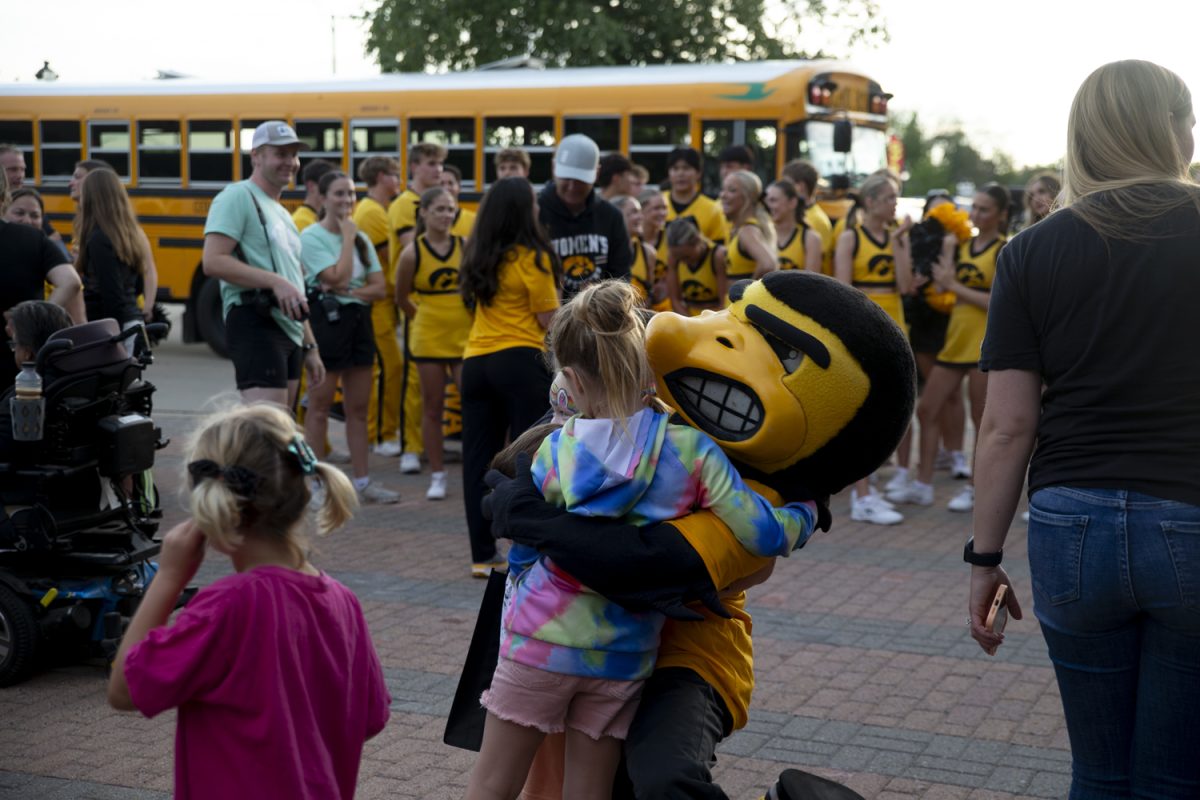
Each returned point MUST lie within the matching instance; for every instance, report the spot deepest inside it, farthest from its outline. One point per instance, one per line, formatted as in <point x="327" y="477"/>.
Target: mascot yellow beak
<point x="770" y="384"/>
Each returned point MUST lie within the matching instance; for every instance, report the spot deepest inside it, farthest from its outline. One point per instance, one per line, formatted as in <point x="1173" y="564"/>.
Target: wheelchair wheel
<point x="19" y="636"/>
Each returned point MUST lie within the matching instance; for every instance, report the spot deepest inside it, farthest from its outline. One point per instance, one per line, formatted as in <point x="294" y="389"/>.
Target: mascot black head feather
<point x="804" y="382"/>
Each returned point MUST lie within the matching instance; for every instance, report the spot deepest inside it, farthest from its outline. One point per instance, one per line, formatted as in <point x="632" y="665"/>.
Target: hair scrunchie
<point x="241" y="481"/>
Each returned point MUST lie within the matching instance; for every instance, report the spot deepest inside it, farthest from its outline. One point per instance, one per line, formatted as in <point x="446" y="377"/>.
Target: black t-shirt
<point x="109" y="284"/>
<point x="1114" y="331"/>
<point x="26" y="256"/>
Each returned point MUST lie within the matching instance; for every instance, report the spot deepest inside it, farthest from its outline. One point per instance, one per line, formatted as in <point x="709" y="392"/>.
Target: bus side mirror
<point x="843" y="134"/>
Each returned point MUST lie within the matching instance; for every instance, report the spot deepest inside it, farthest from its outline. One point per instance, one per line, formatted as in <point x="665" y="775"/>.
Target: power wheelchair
<point x="79" y="511"/>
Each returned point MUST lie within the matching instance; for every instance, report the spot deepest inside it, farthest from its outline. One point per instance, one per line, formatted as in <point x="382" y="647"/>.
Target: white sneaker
<point x="373" y="493"/>
<point x="437" y="487"/>
<point x="881" y="500"/>
<point x="961" y="468"/>
<point x="869" y="509"/>
<point x="337" y="457"/>
<point x="914" y="493"/>
<point x="964" y="500"/>
<point x="898" y="481"/>
<point x="387" y="449"/>
<point x="410" y="463"/>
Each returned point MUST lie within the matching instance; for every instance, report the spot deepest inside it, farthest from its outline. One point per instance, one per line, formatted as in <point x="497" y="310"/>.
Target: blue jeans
<point x="1116" y="587"/>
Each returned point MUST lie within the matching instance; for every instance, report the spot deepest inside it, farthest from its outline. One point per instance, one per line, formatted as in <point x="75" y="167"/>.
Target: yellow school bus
<point x="177" y="142"/>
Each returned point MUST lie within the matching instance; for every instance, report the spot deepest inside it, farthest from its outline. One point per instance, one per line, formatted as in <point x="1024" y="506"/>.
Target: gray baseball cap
<point x="275" y="132"/>
<point x="577" y="158"/>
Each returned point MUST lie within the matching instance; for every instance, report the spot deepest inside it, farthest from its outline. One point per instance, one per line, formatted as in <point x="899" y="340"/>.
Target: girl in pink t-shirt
<point x="272" y="669"/>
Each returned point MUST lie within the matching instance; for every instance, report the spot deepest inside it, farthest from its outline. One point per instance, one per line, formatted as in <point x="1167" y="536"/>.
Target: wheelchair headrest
<point x="93" y="345"/>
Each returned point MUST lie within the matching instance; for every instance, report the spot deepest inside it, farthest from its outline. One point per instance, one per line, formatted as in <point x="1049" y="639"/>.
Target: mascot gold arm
<point x="807" y="386"/>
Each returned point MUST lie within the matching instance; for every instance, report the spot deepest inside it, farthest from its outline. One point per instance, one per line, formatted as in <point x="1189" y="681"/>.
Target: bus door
<point x="762" y="135"/>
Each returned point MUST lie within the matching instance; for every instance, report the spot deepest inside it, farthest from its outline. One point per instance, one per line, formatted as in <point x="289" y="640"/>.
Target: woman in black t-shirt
<point x="111" y="253"/>
<point x="1091" y="349"/>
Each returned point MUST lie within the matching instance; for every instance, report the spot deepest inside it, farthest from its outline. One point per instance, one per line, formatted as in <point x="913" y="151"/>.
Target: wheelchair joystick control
<point x="28" y="405"/>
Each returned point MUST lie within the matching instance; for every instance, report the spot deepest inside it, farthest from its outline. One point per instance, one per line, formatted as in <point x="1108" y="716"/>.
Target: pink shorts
<point x="551" y="702"/>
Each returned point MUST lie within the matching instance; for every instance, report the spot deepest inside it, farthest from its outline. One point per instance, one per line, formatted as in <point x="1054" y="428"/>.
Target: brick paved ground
<point x="866" y="673"/>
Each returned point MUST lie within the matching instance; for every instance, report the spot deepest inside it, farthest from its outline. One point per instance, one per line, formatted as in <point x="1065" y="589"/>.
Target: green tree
<point x="413" y="36"/>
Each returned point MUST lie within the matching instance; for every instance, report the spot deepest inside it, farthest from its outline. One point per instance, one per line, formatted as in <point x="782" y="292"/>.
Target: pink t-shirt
<point x="277" y="684"/>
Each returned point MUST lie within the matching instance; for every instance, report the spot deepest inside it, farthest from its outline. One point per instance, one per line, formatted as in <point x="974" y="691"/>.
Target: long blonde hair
<point x="104" y="205"/>
<point x="751" y="188"/>
<point x="266" y="493"/>
<point x="601" y="334"/>
<point x="1120" y="142"/>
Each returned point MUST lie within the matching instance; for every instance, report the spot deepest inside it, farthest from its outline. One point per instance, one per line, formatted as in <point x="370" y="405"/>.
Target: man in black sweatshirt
<point x="587" y="232"/>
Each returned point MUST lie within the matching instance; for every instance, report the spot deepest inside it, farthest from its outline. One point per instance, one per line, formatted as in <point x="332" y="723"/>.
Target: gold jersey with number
<point x="439" y="329"/>
<point x="964" y="333"/>
<point x="706" y="213"/>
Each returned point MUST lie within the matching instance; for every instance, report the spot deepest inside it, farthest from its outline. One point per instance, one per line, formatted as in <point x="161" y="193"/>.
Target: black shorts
<point x="263" y="356"/>
<point x="926" y="327"/>
<point x="347" y="343"/>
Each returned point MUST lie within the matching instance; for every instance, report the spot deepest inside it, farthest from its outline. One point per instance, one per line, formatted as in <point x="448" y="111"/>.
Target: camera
<point x="263" y="300"/>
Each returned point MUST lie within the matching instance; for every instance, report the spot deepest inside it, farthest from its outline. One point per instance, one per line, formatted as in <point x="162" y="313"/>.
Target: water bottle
<point x="28" y="405"/>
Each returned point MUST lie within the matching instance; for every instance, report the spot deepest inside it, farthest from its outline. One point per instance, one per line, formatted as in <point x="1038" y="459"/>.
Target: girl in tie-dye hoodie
<point x="569" y="658"/>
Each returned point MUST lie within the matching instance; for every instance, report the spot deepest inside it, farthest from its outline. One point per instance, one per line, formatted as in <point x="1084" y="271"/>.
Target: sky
<point x="1005" y="70"/>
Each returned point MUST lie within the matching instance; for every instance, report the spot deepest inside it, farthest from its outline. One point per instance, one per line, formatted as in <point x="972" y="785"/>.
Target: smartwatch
<point x="981" y="559"/>
<point x="308" y="347"/>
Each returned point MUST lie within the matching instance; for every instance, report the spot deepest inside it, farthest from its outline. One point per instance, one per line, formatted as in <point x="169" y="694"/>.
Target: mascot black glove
<point x="640" y="569"/>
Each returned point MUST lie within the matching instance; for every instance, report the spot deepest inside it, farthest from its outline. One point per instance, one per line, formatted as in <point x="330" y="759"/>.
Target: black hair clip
<point x="241" y="481"/>
<point x="303" y="454"/>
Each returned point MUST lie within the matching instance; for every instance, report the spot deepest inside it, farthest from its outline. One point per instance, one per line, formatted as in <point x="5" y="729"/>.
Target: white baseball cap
<point x="275" y="132"/>
<point x="577" y="158"/>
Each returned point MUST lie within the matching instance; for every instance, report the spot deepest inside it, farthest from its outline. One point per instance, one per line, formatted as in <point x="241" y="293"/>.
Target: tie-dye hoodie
<point x="645" y="470"/>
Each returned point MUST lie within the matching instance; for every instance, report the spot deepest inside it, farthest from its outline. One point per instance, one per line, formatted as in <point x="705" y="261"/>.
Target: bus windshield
<point x="868" y="151"/>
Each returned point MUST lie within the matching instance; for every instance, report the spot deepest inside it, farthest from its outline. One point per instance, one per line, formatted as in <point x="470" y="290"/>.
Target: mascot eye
<point x="790" y="357"/>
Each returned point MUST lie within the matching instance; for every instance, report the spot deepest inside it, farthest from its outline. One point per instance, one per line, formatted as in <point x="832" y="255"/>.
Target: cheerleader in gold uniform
<point x="865" y="258"/>
<point x="798" y="245"/>
<point x="751" y="253"/>
<point x="641" y="272"/>
<point x="695" y="270"/>
<point x="971" y="280"/>
<point x="427" y="292"/>
<point x="654" y="233"/>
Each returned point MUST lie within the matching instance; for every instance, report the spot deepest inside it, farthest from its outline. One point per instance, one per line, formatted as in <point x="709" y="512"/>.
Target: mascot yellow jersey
<point x="791" y="252"/>
<point x="738" y="265"/>
<point x="439" y="330"/>
<point x="704" y="211"/>
<point x="698" y="282"/>
<point x="875" y="272"/>
<point x="964" y="333"/>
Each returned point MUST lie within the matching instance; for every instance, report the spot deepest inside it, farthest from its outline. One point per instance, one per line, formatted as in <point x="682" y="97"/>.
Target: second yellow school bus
<point x="178" y="142"/>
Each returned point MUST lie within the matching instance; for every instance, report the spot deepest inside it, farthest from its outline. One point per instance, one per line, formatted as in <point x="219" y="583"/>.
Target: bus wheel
<point x="19" y="636"/>
<point x="210" y="322"/>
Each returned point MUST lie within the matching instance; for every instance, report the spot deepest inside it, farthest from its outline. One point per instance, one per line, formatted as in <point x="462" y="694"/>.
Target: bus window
<point x="325" y="139"/>
<point x="210" y="151"/>
<point x="245" y="140"/>
<point x="534" y="134"/>
<point x="456" y="134"/>
<point x="813" y="140"/>
<point x="19" y="135"/>
<point x="61" y="149"/>
<point x="604" y="131"/>
<point x="159" y="148"/>
<point x="372" y="137"/>
<point x="109" y="142"/>
<point x="653" y="136"/>
<point x="761" y="136"/>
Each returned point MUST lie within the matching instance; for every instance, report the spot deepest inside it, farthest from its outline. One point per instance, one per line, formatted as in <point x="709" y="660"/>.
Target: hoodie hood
<point x="602" y="467"/>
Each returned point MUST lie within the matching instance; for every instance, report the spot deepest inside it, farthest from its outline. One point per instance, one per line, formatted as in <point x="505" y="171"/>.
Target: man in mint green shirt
<point x="251" y="243"/>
